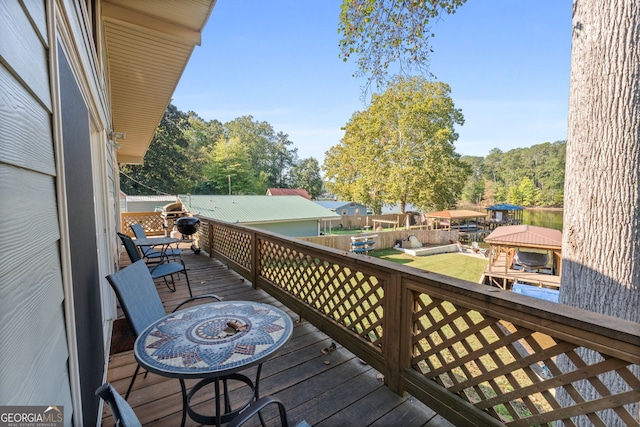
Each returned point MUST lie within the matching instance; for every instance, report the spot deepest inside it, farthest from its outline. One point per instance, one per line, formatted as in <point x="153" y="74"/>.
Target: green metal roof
<point x="255" y="209"/>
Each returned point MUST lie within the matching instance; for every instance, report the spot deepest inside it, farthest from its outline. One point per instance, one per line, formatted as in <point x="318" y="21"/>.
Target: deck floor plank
<point x="333" y="389"/>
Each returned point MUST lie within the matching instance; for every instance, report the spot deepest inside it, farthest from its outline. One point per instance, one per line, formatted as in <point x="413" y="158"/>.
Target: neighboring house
<point x="146" y="203"/>
<point x="288" y="192"/>
<point x="344" y="208"/>
<point x="84" y="85"/>
<point x="288" y="215"/>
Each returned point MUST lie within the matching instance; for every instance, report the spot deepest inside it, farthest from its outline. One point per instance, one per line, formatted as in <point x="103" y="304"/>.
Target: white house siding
<point x="34" y="352"/>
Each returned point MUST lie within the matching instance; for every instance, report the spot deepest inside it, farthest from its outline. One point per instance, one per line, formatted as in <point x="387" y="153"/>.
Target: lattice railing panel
<point x="234" y="244"/>
<point x="351" y="298"/>
<point x="151" y="222"/>
<point x="516" y="374"/>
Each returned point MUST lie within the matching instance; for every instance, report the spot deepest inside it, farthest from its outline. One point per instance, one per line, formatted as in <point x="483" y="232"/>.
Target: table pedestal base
<point x="228" y="413"/>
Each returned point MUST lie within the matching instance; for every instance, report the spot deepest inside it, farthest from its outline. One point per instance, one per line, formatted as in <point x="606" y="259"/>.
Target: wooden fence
<point x="476" y="354"/>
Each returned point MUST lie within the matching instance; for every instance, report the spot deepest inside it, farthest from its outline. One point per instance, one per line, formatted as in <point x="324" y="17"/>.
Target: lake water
<point x="550" y="218"/>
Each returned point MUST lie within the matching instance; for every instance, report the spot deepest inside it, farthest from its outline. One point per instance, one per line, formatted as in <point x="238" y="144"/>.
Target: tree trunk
<point x="601" y="238"/>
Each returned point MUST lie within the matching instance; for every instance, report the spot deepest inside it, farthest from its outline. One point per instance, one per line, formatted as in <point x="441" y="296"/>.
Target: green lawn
<point x="452" y="264"/>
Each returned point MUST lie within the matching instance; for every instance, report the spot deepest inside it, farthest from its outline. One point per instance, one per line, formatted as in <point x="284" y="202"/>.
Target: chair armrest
<point x="256" y="407"/>
<point x="196" y="298"/>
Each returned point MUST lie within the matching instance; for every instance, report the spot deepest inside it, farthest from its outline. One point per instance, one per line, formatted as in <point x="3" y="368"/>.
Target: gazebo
<point x="449" y="216"/>
<point x="504" y="214"/>
<point x="509" y="239"/>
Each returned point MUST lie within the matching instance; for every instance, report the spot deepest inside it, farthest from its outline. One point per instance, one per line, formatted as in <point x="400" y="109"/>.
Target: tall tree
<point x="387" y="35"/>
<point x="283" y="158"/>
<point x="306" y="174"/>
<point x="473" y="190"/>
<point x="228" y="170"/>
<point x="401" y="149"/>
<point x="601" y="239"/>
<point x="270" y="155"/>
<point x="202" y="137"/>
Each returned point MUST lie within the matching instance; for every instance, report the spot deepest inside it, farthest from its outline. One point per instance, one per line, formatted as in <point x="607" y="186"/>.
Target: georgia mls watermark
<point x="31" y="416"/>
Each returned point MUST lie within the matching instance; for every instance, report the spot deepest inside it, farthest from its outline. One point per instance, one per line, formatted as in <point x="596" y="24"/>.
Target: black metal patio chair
<point x="124" y="416"/>
<point x="159" y="270"/>
<point x="140" y="302"/>
<point x="148" y="252"/>
<point x="122" y="412"/>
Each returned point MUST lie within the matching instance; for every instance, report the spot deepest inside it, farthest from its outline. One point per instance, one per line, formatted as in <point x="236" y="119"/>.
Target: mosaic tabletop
<point x="213" y="339"/>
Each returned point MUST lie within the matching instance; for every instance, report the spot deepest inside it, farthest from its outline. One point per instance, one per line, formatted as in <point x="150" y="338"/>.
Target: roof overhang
<point x="148" y="45"/>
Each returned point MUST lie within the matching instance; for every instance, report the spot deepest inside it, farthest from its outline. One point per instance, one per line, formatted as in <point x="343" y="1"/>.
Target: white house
<point x="83" y="86"/>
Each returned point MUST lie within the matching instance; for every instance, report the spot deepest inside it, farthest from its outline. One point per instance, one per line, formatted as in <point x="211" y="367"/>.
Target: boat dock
<point x="498" y="275"/>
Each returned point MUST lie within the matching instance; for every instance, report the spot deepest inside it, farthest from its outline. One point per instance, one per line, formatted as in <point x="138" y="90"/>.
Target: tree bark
<point x="601" y="238"/>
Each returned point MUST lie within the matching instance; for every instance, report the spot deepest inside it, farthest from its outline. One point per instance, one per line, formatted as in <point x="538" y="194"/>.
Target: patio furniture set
<point x="211" y="342"/>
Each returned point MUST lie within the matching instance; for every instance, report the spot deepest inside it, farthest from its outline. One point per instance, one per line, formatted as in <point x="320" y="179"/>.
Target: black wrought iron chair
<point x="124" y="416"/>
<point x="148" y="252"/>
<point x="140" y="301"/>
<point x="161" y="269"/>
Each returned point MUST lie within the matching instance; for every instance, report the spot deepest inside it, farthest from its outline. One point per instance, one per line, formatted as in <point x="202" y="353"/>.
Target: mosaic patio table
<point x="213" y="342"/>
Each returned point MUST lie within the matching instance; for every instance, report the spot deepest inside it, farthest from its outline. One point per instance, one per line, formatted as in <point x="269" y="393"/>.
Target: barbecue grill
<point x="175" y="217"/>
<point x="170" y="213"/>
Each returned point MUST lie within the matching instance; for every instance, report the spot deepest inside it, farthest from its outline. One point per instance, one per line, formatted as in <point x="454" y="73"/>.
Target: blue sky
<point x="507" y="62"/>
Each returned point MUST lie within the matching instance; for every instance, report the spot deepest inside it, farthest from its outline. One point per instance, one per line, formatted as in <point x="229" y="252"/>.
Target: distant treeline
<point x="243" y="156"/>
<point x="531" y="176"/>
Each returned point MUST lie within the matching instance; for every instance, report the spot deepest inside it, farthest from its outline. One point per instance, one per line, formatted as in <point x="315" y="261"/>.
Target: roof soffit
<point x="148" y="45"/>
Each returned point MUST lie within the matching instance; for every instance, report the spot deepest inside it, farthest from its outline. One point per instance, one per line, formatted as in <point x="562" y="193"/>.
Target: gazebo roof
<point x="455" y="214"/>
<point x="527" y="236"/>
<point x="505" y="207"/>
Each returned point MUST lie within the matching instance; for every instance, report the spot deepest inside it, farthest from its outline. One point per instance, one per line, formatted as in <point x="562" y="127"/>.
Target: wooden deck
<point x="334" y="389"/>
<point x="495" y="275"/>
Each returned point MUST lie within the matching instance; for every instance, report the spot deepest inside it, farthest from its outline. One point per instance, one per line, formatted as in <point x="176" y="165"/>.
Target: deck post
<point x="255" y="264"/>
<point x="394" y="347"/>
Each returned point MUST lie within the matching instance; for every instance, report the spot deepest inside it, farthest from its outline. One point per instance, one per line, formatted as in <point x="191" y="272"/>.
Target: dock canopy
<point x="455" y="214"/>
<point x="505" y="213"/>
<point x="448" y="217"/>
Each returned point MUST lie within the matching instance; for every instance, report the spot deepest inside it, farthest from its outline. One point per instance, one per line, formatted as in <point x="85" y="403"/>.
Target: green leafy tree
<point x="306" y="174"/>
<point x="167" y="165"/>
<point x="283" y="158"/>
<point x="270" y="155"/>
<point x="384" y="33"/>
<point x="400" y="150"/>
<point x="202" y="137"/>
<point x="228" y="170"/>
<point x="474" y="187"/>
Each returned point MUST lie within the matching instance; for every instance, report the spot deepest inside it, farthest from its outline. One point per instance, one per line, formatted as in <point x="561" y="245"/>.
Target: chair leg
<point x="171" y="286"/>
<point x="133" y="379"/>
<point x="187" y="277"/>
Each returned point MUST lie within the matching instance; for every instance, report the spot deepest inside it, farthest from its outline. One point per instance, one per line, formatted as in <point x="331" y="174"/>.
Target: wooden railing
<point x="477" y="355"/>
<point x="152" y="222"/>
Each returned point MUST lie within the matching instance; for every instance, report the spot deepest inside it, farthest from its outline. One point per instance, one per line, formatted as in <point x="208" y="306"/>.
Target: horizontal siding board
<point x="32" y="328"/>
<point x="32" y="222"/>
<point x="37" y="14"/>
<point x="22" y="49"/>
<point x="25" y="129"/>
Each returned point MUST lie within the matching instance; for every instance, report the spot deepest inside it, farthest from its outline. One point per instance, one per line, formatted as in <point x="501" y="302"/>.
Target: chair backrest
<point x="130" y="247"/>
<point x="138" y="231"/>
<point x="123" y="414"/>
<point x="138" y="296"/>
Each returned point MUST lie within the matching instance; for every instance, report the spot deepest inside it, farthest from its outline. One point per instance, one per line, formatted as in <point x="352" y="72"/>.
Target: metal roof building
<point x="288" y="215"/>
